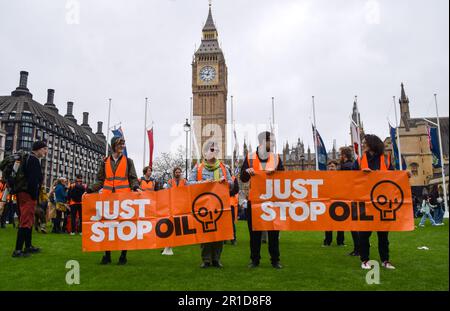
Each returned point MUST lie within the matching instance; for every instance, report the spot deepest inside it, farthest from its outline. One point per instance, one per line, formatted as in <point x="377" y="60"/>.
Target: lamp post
<point x="187" y="129"/>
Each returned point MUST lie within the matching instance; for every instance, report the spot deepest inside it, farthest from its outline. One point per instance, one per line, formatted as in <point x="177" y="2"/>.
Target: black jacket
<point x="347" y="166"/>
<point x="33" y="175"/>
<point x="235" y="189"/>
<point x="76" y="192"/>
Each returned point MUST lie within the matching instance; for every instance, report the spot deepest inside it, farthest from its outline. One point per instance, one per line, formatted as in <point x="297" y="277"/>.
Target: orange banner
<point x="179" y="216"/>
<point x="329" y="201"/>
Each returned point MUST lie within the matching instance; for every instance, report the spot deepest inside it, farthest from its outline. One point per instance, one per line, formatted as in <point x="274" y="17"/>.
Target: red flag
<point x="150" y="143"/>
<point x="356" y="139"/>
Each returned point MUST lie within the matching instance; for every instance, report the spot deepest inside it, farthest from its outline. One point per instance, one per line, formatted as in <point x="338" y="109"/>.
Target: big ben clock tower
<point x="209" y="88"/>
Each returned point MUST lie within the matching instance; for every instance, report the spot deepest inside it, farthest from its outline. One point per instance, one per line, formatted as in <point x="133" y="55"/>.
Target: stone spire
<point x="404" y="108"/>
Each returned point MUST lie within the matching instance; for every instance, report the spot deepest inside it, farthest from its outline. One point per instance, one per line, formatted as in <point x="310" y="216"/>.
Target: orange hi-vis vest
<point x="147" y="185"/>
<point x="254" y="162"/>
<point x="173" y="183"/>
<point x="200" y="171"/>
<point x="2" y="189"/>
<point x="116" y="181"/>
<point x="385" y="162"/>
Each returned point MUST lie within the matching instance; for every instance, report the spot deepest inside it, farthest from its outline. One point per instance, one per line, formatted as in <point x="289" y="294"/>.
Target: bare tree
<point x="166" y="162"/>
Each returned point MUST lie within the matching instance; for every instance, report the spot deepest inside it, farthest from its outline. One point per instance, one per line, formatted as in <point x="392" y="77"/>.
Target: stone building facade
<point x="415" y="147"/>
<point x="73" y="148"/>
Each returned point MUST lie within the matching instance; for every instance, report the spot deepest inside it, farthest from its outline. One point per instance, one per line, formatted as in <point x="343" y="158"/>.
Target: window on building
<point x="26" y="130"/>
<point x="27" y="116"/>
<point x="414" y="169"/>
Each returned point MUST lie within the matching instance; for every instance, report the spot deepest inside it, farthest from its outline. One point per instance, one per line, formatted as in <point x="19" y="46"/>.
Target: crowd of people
<point x="62" y="204"/>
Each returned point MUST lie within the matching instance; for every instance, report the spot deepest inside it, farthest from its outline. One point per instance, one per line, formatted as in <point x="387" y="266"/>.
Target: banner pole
<point x="442" y="157"/>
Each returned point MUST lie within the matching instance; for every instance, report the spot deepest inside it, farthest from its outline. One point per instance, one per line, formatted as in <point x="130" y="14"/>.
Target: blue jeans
<point x="438" y="215"/>
<point x="424" y="218"/>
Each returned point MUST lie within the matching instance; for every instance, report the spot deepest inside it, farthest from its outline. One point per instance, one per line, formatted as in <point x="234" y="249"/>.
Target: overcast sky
<point x="289" y="49"/>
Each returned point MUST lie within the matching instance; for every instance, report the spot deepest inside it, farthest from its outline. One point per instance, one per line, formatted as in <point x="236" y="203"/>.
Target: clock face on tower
<point x="207" y="74"/>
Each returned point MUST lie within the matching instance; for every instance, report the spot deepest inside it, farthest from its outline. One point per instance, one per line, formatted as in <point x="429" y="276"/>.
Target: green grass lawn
<point x="307" y="265"/>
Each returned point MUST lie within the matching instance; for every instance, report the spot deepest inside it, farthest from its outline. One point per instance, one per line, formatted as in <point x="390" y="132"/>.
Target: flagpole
<point x="442" y="157"/>
<point x="107" y="129"/>
<point x="358" y="123"/>
<point x="145" y="132"/>
<point x="397" y="134"/>
<point x="273" y="123"/>
<point x="232" y="136"/>
<point x="315" y="134"/>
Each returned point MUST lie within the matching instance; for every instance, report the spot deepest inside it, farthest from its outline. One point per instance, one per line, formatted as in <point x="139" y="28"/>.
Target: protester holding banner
<point x="346" y="164"/>
<point x="116" y="174"/>
<point x="211" y="169"/>
<point x="147" y="182"/>
<point x="175" y="182"/>
<point x="264" y="159"/>
<point x="374" y="159"/>
<point x="332" y="166"/>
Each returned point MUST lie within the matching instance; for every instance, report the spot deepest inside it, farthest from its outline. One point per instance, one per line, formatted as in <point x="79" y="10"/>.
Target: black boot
<point x="20" y="239"/>
<point x="29" y="248"/>
<point x="123" y="258"/>
<point x="106" y="259"/>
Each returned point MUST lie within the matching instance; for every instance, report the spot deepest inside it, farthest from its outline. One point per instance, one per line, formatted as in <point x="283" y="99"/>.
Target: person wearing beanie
<point x="116" y="175"/>
<point x="27" y="198"/>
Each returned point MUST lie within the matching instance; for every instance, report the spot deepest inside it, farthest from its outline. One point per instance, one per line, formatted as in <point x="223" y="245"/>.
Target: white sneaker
<point x="79" y="233"/>
<point x="365" y="265"/>
<point x="388" y="265"/>
<point x="167" y="251"/>
<point x="440" y="224"/>
<point x="72" y="233"/>
<point x="422" y="226"/>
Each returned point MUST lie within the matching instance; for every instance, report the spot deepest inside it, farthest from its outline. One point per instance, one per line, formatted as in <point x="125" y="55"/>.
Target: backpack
<point x="13" y="171"/>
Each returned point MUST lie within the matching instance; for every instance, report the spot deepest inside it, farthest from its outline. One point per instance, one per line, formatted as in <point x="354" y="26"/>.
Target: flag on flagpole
<point x="321" y="151"/>
<point x="356" y="139"/>
<point x="433" y="141"/>
<point x="393" y="134"/>
<point x="119" y="133"/>
<point x="150" y="146"/>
